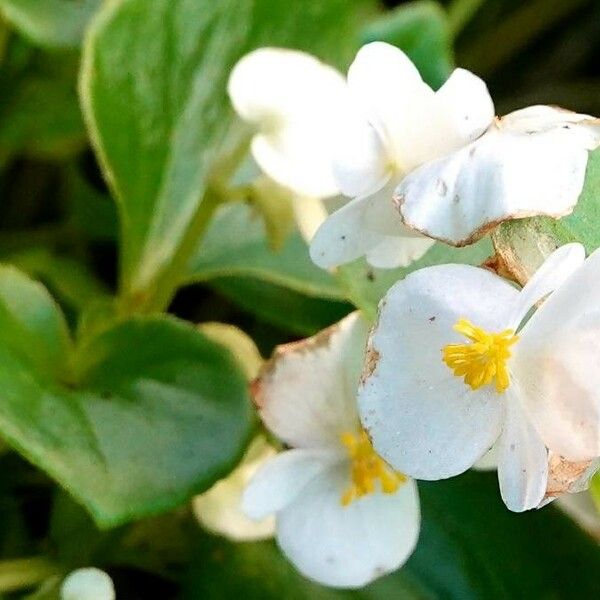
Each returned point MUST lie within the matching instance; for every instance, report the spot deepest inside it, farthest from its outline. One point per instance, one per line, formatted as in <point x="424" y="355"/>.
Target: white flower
<point x="320" y="135"/>
<point x="398" y="124"/>
<point x="87" y="584"/>
<point x="343" y="517"/>
<point x="530" y="162"/>
<point x="220" y="509"/>
<point x="295" y="103"/>
<point x="453" y="367"/>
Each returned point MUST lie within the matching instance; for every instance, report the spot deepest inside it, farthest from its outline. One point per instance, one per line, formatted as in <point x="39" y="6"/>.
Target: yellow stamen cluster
<point x="367" y="467"/>
<point x="483" y="360"/>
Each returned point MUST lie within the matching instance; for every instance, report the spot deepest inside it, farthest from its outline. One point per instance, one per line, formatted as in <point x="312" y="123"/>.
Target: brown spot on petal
<point x="563" y="474"/>
<point x="371" y="360"/>
<point x="265" y="375"/>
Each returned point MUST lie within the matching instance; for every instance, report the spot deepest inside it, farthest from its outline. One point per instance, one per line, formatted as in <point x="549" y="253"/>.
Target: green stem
<point x="25" y="573"/>
<point x="460" y="12"/>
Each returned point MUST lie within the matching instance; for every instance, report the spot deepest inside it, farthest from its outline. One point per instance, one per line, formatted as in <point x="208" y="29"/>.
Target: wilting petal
<point x="282" y="478"/>
<point x="510" y="172"/>
<point x="552" y="273"/>
<point x="522" y="459"/>
<point x="299" y="106"/>
<point x="556" y="363"/>
<point x="423" y="420"/>
<point x="348" y="546"/>
<point x="220" y="509"/>
<point x="306" y="394"/>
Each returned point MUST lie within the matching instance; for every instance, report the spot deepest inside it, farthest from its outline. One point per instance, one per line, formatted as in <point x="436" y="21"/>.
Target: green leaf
<point x="52" y="23"/>
<point x="153" y="91"/>
<point x="284" y="308"/>
<point x="39" y="109"/>
<point x="135" y="422"/>
<point x="236" y="244"/>
<point x="365" y="285"/>
<point x="524" y="244"/>
<point x="421" y="30"/>
<point x="471" y="548"/>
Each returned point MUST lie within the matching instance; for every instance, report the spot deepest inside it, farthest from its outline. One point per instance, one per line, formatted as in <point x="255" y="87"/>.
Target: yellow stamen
<point x="367" y="467"/>
<point x="483" y="360"/>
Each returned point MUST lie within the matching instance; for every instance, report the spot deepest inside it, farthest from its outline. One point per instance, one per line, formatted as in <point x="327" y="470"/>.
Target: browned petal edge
<point x="496" y="264"/>
<point x="563" y="474"/>
<point x="259" y="386"/>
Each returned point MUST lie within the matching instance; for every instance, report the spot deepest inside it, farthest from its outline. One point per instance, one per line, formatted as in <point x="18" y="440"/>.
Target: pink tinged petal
<point x="348" y="546"/>
<point x="306" y="394"/>
<point x="422" y="419"/>
<point x="279" y="481"/>
<point x="522" y="459"/>
<point x="299" y="107"/>
<point x="362" y="227"/>
<point x="554" y="271"/>
<point x="556" y="364"/>
<point x="508" y="173"/>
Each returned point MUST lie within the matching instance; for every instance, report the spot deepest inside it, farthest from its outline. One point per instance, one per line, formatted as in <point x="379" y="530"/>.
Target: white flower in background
<point x="343" y="517"/>
<point x="87" y="584"/>
<point x="453" y="169"/>
<point x="220" y="509"/>
<point x="454" y="367"/>
<point x="398" y="124"/>
<point x="530" y="162"/>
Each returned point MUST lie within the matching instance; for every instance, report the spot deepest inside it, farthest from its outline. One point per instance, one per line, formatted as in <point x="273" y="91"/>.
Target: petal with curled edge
<point x="556" y="364"/>
<point x="523" y="166"/>
<point x="348" y="546"/>
<point x="306" y="394"/>
<point x="425" y="421"/>
<point x="299" y="106"/>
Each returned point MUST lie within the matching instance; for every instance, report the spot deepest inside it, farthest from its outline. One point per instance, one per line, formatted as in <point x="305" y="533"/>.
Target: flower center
<point x="367" y="467"/>
<point x="483" y="360"/>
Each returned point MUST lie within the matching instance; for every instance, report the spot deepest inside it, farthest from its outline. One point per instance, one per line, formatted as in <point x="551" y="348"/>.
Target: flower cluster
<point x="462" y="368"/>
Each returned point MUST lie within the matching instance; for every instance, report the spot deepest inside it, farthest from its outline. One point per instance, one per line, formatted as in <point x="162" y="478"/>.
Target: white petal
<point x="388" y="89"/>
<point x="307" y="393"/>
<point x="467" y="106"/>
<point x="489" y="461"/>
<point x="299" y="106"/>
<point x="310" y="214"/>
<point x="422" y="419"/>
<point x="414" y="123"/>
<point x="281" y="479"/>
<point x="506" y="174"/>
<point x="360" y="164"/>
<point x="556" y="268"/>
<point x="556" y="363"/>
<point x="87" y="584"/>
<point x="220" y="509"/>
<point x="394" y="251"/>
<point x="348" y="546"/>
<point x="364" y="226"/>
<point x="522" y="459"/>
